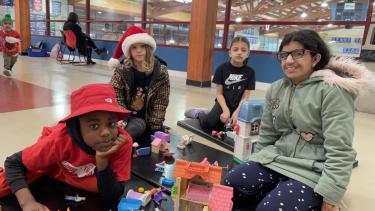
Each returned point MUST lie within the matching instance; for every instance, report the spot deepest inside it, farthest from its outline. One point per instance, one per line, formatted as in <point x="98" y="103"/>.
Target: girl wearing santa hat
<point x="141" y="83"/>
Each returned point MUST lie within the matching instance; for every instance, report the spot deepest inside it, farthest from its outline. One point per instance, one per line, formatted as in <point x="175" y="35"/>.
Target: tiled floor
<point x="36" y="95"/>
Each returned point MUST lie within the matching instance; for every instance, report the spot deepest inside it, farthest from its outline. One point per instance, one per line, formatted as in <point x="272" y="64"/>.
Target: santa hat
<point x="133" y="35"/>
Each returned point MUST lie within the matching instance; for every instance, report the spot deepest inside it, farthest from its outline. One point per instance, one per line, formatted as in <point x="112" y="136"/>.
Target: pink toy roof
<point x="156" y="142"/>
<point x="209" y="173"/>
<point x="221" y="198"/>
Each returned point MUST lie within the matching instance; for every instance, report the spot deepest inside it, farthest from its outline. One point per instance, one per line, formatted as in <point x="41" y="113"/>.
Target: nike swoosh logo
<point x="229" y="82"/>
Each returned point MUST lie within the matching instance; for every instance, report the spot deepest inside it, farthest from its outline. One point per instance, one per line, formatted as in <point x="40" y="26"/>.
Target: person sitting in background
<point x="304" y="156"/>
<point x="141" y="84"/>
<point x="86" y="149"/>
<point x="84" y="42"/>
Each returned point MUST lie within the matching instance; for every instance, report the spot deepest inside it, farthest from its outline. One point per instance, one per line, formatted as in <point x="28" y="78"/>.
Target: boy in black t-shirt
<point x="234" y="80"/>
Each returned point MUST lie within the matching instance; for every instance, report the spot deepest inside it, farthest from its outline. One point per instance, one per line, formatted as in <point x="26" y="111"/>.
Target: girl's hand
<point x="115" y="147"/>
<point x="234" y="118"/>
<point x="329" y="207"/>
<point x="224" y="117"/>
<point x="34" y="206"/>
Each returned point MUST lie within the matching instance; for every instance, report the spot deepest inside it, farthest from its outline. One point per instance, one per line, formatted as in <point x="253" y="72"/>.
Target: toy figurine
<point x="135" y="145"/>
<point x="75" y="198"/>
<point x="218" y="134"/>
<point x="185" y="140"/>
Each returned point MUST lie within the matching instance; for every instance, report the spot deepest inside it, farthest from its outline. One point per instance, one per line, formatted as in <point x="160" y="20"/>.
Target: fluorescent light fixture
<point x="324" y="4"/>
<point x="303" y="15"/>
<point x="238" y="19"/>
<point x="171" y="41"/>
<point x="184" y="1"/>
<point x="332" y="41"/>
<point x="99" y="12"/>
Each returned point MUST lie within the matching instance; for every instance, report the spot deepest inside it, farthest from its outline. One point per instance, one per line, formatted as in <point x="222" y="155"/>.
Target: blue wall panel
<point x="266" y="66"/>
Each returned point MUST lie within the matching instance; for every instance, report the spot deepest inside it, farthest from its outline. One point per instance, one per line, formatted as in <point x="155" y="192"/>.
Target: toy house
<point x="160" y="142"/>
<point x="198" y="185"/>
<point x="247" y="129"/>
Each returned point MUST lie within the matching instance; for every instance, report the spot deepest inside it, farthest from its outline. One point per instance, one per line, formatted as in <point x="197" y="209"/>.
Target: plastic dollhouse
<point x="198" y="186"/>
<point x="247" y="129"/>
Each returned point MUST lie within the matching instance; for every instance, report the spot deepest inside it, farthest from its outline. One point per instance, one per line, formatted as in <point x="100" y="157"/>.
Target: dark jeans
<point x="211" y="121"/>
<point x="257" y="186"/>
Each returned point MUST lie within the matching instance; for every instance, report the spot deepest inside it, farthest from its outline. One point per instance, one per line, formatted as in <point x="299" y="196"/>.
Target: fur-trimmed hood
<point x="347" y="74"/>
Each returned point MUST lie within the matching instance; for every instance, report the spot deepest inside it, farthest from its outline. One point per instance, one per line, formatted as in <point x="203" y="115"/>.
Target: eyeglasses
<point x="296" y="54"/>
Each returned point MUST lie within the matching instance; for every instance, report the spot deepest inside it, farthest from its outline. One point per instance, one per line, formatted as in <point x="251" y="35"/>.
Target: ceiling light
<point x="99" y="12"/>
<point x="303" y="15"/>
<point x="238" y="19"/>
<point x="171" y="41"/>
<point x="324" y="4"/>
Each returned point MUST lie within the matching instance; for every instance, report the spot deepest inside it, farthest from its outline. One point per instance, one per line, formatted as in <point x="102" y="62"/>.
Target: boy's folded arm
<point x="15" y="172"/>
<point x="109" y="188"/>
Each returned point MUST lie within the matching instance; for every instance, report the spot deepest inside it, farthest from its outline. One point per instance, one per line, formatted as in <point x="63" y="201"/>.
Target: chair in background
<point x="70" y="42"/>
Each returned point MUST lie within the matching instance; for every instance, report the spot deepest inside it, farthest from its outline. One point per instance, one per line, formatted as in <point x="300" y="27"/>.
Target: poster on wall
<point x="7" y="3"/>
<point x="37" y="5"/>
<point x="56" y="8"/>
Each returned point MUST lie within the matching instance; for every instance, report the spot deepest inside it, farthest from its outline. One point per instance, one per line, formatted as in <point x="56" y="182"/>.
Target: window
<point x="170" y="34"/>
<point x="109" y="31"/>
<point x="277" y="10"/>
<point x="127" y="10"/>
<point x="341" y="39"/>
<point x="160" y="10"/>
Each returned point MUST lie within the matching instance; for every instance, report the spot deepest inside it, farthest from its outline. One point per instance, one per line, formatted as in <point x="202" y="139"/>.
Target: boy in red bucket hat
<point x="85" y="149"/>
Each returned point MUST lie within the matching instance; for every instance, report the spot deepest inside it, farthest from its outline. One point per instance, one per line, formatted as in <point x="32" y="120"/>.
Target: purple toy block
<point x="162" y="136"/>
<point x="158" y="197"/>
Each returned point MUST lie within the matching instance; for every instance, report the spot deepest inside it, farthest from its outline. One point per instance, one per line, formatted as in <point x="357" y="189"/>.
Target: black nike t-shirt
<point x="235" y="80"/>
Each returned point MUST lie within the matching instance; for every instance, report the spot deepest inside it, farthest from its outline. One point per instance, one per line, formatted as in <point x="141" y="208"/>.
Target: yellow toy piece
<point x="141" y="189"/>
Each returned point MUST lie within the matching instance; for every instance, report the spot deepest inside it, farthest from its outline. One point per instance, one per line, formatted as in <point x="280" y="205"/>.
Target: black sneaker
<point x="101" y="50"/>
<point x="90" y="62"/>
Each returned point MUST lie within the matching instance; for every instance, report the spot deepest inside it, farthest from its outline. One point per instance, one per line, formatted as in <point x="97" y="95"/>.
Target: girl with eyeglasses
<point x="304" y="156"/>
<point x="234" y="81"/>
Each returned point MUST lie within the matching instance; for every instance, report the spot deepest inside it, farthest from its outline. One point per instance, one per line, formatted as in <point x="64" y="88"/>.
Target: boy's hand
<point x="34" y="206"/>
<point x="115" y="147"/>
<point x="224" y="117"/>
<point x="27" y="201"/>
<point x="329" y="207"/>
<point x="121" y="124"/>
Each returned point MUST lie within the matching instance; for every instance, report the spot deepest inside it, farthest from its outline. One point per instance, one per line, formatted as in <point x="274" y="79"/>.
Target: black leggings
<point x="258" y="186"/>
<point x="211" y="121"/>
<point x="86" y="49"/>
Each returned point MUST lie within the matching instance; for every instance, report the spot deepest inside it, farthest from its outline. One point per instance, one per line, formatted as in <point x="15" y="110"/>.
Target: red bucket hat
<point x="94" y="97"/>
